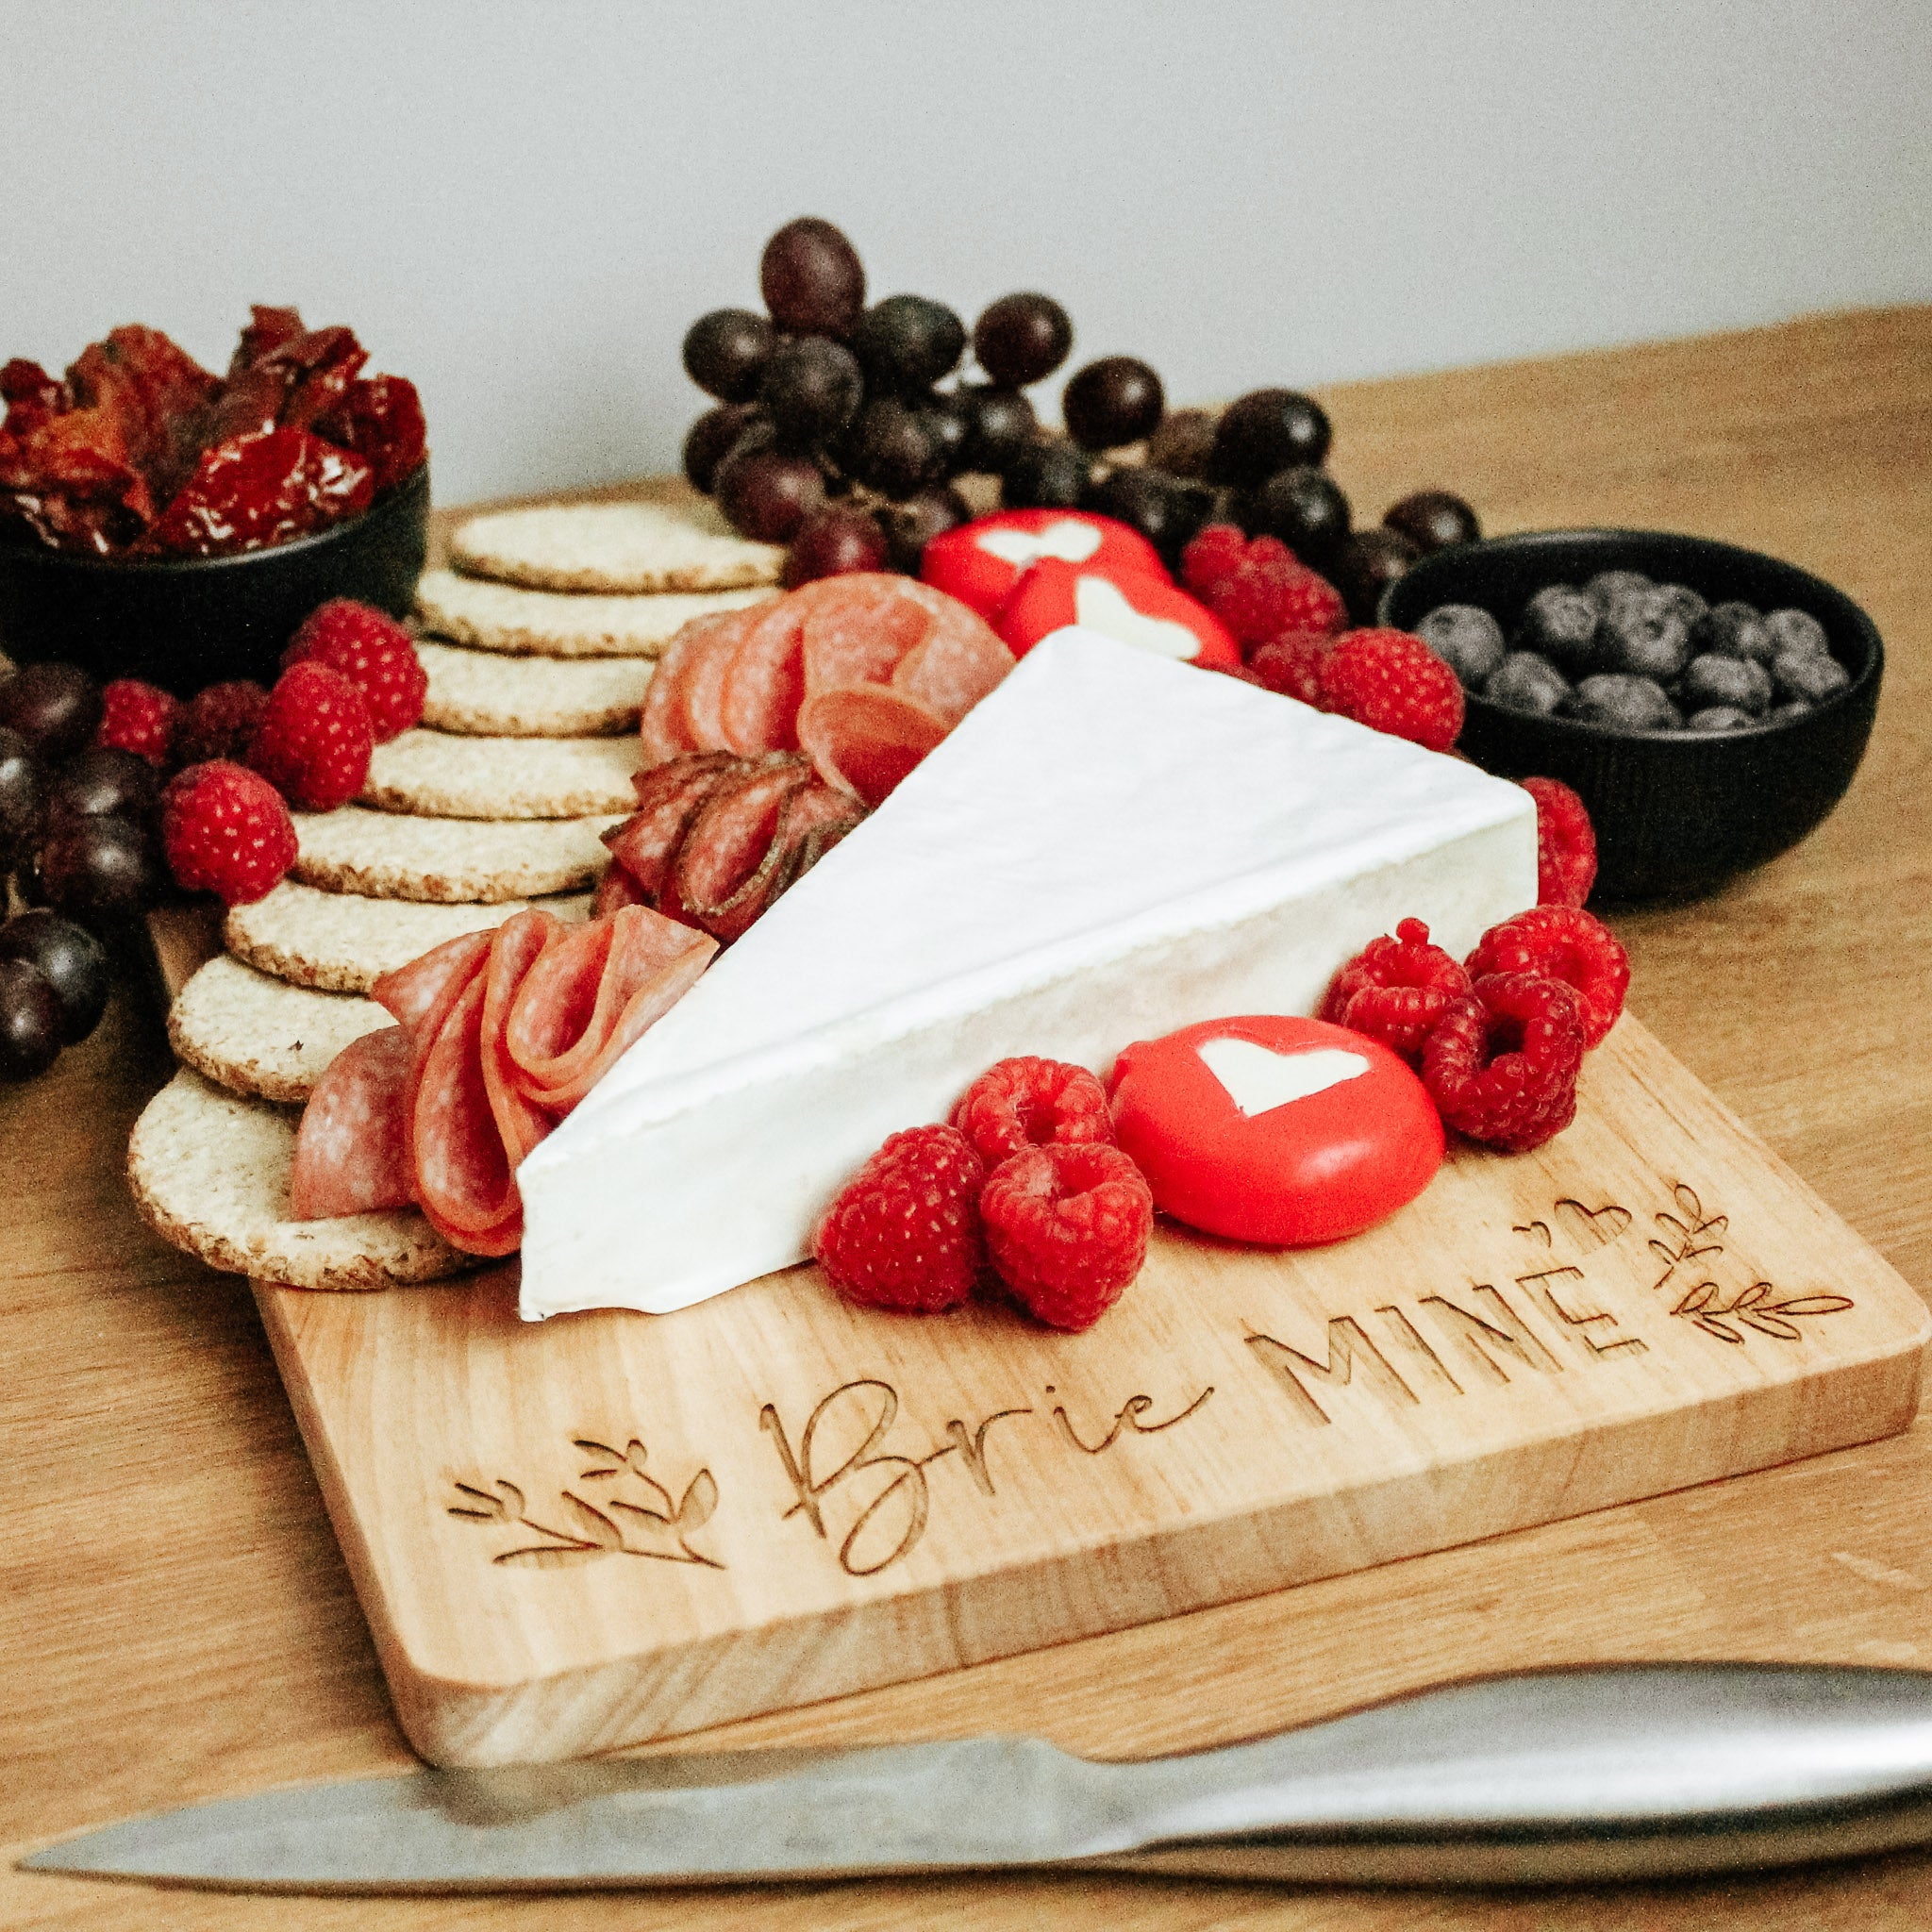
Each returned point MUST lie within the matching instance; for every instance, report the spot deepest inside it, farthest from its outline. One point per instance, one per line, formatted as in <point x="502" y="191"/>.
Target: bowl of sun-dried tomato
<point x="160" y="521"/>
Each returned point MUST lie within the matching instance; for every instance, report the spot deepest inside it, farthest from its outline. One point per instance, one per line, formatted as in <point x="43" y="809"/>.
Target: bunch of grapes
<point x="79" y="840"/>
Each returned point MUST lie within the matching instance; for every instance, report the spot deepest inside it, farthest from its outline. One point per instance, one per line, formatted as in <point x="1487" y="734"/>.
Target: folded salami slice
<point x="700" y="697"/>
<point x="590" y="993"/>
<point x="813" y="821"/>
<point x="958" y="662"/>
<point x="669" y="797"/>
<point x="517" y="951"/>
<point x="857" y="628"/>
<point x="866" y="737"/>
<point x="660" y="728"/>
<point x="350" y="1154"/>
<point x="728" y="839"/>
<point x="414" y="992"/>
<point x="463" y="1181"/>
<point x="764" y="683"/>
<point x="615" y="890"/>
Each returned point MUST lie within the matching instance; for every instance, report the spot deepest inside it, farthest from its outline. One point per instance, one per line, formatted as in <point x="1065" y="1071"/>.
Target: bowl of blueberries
<point x="1711" y="703"/>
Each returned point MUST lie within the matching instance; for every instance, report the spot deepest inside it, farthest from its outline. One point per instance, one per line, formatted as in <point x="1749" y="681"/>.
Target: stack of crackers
<point x="539" y="644"/>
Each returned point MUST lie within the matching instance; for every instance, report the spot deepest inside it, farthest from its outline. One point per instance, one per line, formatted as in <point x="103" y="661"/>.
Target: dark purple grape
<point x="1164" y="509"/>
<point x="1022" y="337"/>
<point x="23" y="799"/>
<point x="811" y="390"/>
<point x="1434" y="520"/>
<point x="894" y="449"/>
<point x="812" y="279"/>
<point x="30" y="1022"/>
<point x="833" y="542"/>
<point x="101" y="782"/>
<point x="1183" y="443"/>
<point x="55" y="708"/>
<point x="725" y="353"/>
<point x="72" y="961"/>
<point x="1365" y="565"/>
<point x="1117" y="400"/>
<point x="907" y="344"/>
<point x="949" y="419"/>
<point x="912" y="524"/>
<point x="709" y="440"/>
<point x="1268" y="429"/>
<point x="102" y="872"/>
<point x="1003" y="423"/>
<point x="1305" y="508"/>
<point x="1052" y="473"/>
<point x="766" y="495"/>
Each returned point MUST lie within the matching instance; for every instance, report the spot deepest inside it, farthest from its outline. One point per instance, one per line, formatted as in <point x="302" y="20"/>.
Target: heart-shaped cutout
<point x="1259" y="1080"/>
<point x="1102" y="605"/>
<point x="1070" y="541"/>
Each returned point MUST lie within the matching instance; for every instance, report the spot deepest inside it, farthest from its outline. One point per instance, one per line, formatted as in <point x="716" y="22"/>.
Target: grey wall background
<point x="523" y="206"/>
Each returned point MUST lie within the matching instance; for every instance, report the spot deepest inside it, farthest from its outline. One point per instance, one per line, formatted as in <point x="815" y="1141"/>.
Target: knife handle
<point x="1606" y="1771"/>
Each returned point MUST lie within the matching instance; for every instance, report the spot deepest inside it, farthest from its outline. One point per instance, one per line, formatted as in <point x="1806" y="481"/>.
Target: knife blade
<point x="1537" y="1777"/>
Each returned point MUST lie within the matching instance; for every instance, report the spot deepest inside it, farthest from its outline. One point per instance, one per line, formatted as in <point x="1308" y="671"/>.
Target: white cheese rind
<point x="1110" y="846"/>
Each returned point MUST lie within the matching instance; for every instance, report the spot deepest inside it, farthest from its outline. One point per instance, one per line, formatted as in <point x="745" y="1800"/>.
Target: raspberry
<point x="373" y="652"/>
<point x="1214" y="555"/>
<point x="220" y="722"/>
<point x="225" y="830"/>
<point x="1028" y="1101"/>
<point x="1501" y="1065"/>
<point x="1395" y="989"/>
<point x="904" y="1232"/>
<point x="1266" y="592"/>
<point x="314" y="739"/>
<point x="1566" y="943"/>
<point x="1393" y="682"/>
<point x="1565" y="843"/>
<point x="140" y="718"/>
<point x="1291" y="664"/>
<point x="1067" y="1228"/>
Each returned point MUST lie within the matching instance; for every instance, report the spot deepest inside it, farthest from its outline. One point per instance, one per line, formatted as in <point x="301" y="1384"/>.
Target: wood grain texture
<point x="180" y="1623"/>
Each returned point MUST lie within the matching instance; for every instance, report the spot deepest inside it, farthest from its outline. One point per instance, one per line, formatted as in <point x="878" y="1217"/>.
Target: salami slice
<point x="813" y="821"/>
<point x="615" y="890"/>
<point x="413" y="992"/>
<point x="961" y="660"/>
<point x="669" y="797"/>
<point x="700" y="696"/>
<point x="518" y="946"/>
<point x="864" y="739"/>
<point x="764" y="683"/>
<point x="858" y="626"/>
<point x="728" y="839"/>
<point x="660" y="728"/>
<point x="351" y="1156"/>
<point x="592" y="992"/>
<point x="462" y="1176"/>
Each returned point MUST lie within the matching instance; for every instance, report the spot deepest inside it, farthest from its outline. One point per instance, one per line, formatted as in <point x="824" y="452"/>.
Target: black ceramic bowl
<point x="183" y="622"/>
<point x="1677" y="813"/>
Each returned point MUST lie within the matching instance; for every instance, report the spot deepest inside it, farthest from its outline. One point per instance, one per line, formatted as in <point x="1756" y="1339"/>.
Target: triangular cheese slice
<point x="1109" y="846"/>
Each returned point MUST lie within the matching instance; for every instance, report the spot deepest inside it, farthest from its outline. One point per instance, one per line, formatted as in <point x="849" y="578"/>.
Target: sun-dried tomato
<point x="261" y="489"/>
<point x="380" y="419"/>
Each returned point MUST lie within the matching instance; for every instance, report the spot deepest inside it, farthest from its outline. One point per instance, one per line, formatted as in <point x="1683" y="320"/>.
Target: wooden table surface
<point x="174" y="1617"/>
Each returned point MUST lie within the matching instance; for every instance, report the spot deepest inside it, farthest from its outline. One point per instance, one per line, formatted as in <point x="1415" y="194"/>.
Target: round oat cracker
<point x="209" y="1172"/>
<point x="484" y="694"/>
<point x="613" y="547"/>
<point x="261" y="1037"/>
<point x="441" y="775"/>
<point x="506" y="619"/>
<point x="342" y="943"/>
<point x="384" y="855"/>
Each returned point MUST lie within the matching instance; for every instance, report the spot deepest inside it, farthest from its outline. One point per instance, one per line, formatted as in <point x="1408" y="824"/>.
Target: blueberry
<point x="1560" y="622"/>
<point x="1801" y="673"/>
<point x="1740" y="683"/>
<point x="1467" y="639"/>
<point x="1608" y="586"/>
<point x="1796" y="630"/>
<point x="1642" y="632"/>
<point x="1719" y="718"/>
<point x="1526" y="681"/>
<point x="1625" y="702"/>
<point x="1736" y="629"/>
<point x="1790" y="708"/>
<point x="1684" y="601"/>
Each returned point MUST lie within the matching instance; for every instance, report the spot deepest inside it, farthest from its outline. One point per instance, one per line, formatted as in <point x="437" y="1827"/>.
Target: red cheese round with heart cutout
<point x="1148" y="612"/>
<point x="981" y="562"/>
<point x="1268" y="1129"/>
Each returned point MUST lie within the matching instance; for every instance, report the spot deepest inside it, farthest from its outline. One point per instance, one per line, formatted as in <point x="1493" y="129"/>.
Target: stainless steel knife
<point x="1541" y="1777"/>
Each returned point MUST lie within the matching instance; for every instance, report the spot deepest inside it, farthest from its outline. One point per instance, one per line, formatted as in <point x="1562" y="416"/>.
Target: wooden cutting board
<point x="612" y="1528"/>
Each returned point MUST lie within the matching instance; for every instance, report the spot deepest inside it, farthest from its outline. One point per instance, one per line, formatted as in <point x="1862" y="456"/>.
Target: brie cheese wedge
<point x="1109" y="847"/>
